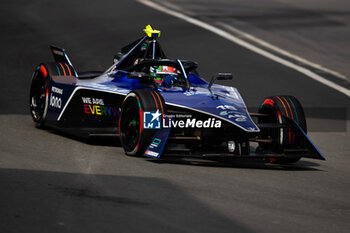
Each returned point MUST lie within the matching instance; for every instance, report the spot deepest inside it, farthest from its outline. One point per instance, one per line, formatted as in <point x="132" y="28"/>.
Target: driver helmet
<point x="161" y="72"/>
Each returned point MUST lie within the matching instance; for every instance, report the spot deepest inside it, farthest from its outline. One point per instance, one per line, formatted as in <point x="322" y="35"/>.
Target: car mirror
<point x="223" y="76"/>
<point x="220" y="76"/>
<point x="117" y="57"/>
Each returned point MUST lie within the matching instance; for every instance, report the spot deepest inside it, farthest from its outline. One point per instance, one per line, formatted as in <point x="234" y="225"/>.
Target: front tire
<point x="133" y="136"/>
<point x="278" y="107"/>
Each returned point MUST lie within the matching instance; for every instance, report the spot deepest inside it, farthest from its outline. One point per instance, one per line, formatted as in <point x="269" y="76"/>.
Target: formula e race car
<point x="159" y="106"/>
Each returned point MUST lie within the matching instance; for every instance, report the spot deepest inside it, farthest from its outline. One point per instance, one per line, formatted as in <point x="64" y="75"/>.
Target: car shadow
<point x="112" y="141"/>
<point x="75" y="202"/>
<point x="203" y="162"/>
<point x="239" y="163"/>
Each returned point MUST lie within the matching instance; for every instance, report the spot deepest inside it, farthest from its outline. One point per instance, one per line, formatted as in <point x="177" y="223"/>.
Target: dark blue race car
<point x="159" y="106"/>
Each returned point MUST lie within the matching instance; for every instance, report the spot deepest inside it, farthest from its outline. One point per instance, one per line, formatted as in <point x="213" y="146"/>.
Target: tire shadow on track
<point x="239" y="163"/>
<point x="112" y="141"/>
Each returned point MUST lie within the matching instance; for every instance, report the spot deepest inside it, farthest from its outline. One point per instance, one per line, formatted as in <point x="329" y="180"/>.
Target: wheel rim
<point x="130" y="125"/>
<point x="38" y="96"/>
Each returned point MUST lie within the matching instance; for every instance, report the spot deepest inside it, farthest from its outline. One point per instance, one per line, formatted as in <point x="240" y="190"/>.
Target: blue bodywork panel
<point x="222" y="102"/>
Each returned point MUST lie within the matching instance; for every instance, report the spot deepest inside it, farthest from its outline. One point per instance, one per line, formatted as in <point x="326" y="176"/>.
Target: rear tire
<point x="278" y="107"/>
<point x="133" y="136"/>
<point x="40" y="88"/>
<point x="39" y="95"/>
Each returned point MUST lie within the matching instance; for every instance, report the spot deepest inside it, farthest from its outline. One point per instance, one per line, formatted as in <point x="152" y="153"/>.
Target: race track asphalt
<point x="53" y="183"/>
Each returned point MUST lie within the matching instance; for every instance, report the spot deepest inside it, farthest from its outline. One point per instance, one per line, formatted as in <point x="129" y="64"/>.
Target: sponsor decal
<point x="96" y="101"/>
<point x="231" y="112"/>
<point x="226" y="107"/>
<point x="55" y="102"/>
<point x="95" y="106"/>
<point x="238" y="117"/>
<point x="155" y="143"/>
<point x="223" y="113"/>
<point x="101" y="110"/>
<point x="192" y="123"/>
<point x="57" y="90"/>
<point x="143" y="46"/>
<point x="152" y="120"/>
<point x="178" y="115"/>
<point x="151" y="153"/>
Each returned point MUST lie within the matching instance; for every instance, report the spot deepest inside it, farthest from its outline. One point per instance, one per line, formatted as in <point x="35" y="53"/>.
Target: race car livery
<point x="160" y="107"/>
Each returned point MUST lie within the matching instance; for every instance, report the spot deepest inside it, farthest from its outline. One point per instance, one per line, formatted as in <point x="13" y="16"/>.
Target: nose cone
<point x="234" y="112"/>
<point x="225" y="105"/>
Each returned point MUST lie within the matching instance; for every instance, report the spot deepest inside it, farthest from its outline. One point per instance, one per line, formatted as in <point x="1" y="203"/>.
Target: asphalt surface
<point x="53" y="183"/>
<point x="317" y="30"/>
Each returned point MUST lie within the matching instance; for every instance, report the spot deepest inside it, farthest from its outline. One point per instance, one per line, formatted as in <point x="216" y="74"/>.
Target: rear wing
<point x="60" y="55"/>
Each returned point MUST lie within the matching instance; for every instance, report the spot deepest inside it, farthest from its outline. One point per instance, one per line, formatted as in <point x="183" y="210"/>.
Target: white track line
<point x="281" y="51"/>
<point x="249" y="46"/>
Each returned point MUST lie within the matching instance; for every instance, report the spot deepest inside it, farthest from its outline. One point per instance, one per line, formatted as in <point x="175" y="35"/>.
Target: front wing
<point x="308" y="150"/>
